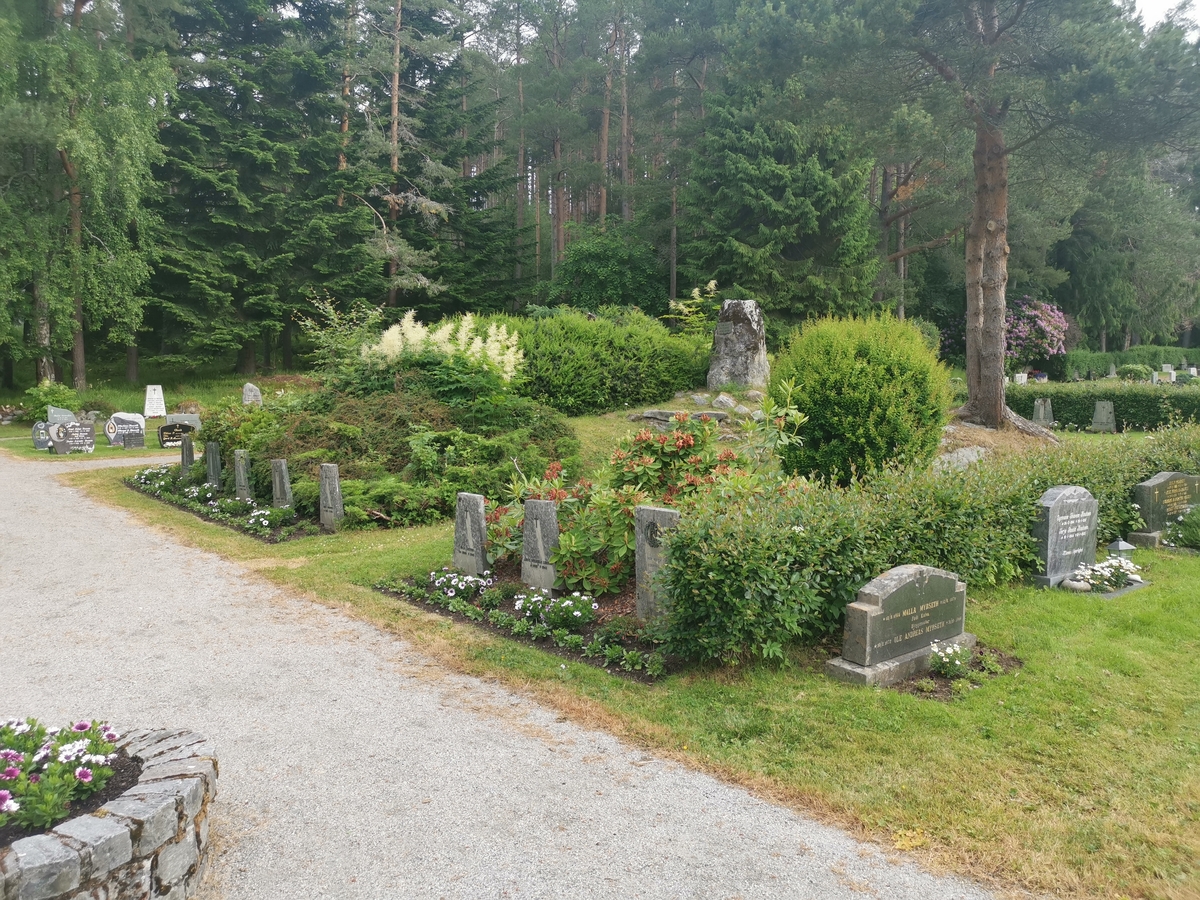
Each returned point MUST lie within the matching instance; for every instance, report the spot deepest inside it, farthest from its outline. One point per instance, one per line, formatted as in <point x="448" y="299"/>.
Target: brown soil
<point x="126" y="772"/>
<point x="935" y="687"/>
<point x="964" y="434"/>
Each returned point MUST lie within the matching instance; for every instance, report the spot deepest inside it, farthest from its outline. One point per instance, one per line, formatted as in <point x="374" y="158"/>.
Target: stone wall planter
<point x="150" y="842"/>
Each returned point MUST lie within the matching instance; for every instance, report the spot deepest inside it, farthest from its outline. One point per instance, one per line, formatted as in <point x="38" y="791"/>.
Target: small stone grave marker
<point x="251" y="395"/>
<point x="56" y="415"/>
<point x="1192" y="371"/>
<point x="241" y="475"/>
<point x="1104" y="418"/>
<point x="470" y="534"/>
<point x="1021" y="378"/>
<point x="41" y="436"/>
<point x="155" y="406"/>
<point x="540" y="540"/>
<point x="73" y="437"/>
<point x="1112" y="370"/>
<point x="1065" y="533"/>
<point x="184" y="418"/>
<point x="212" y="460"/>
<point x="1154" y="379"/>
<point x="172" y="435"/>
<point x="1043" y="412"/>
<point x="332" y="510"/>
<point x="739" y="354"/>
<point x="121" y="424"/>
<point x="281" y="483"/>
<point x="187" y="455"/>
<point x="134" y="440"/>
<point x="651" y="523"/>
<point x="894" y="620"/>
<point x="1161" y="500"/>
<point x="1167" y="367"/>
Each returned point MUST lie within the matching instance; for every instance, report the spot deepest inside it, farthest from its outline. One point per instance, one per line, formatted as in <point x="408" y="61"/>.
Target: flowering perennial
<point x="949" y="660"/>
<point x="1109" y="575"/>
<point x="497" y="347"/>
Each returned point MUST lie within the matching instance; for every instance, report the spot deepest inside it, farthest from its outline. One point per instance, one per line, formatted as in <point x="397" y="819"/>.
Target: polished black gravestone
<point x="1065" y="533"/>
<point x="121" y="424"/>
<point x="134" y="440"/>
<point x="41" y="436"/>
<point x="172" y="435"/>
<point x="73" y="437"/>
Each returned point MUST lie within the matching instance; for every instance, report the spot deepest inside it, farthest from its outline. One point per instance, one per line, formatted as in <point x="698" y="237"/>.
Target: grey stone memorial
<point x="212" y="461"/>
<point x="1112" y="370"/>
<point x="41" y="436"/>
<point x="187" y="456"/>
<point x="1104" y="418"/>
<point x="470" y="535"/>
<point x="540" y="540"/>
<point x="1154" y="379"/>
<point x="1161" y="500"/>
<point x="72" y="437"/>
<point x="241" y="475"/>
<point x="1021" y="378"/>
<point x="1065" y="533"/>
<point x="332" y="511"/>
<point x="134" y="440"/>
<point x="251" y="395"/>
<point x="1043" y="412"/>
<point x="1167" y="367"/>
<point x="155" y="406"/>
<point x="121" y="424"/>
<point x="739" y="354"/>
<point x="894" y="620"/>
<point x="651" y="523"/>
<point x="281" y="483"/>
<point x="56" y="415"/>
<point x="184" y="419"/>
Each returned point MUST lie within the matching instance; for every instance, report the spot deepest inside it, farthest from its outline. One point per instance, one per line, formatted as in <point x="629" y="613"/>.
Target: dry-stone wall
<point x="151" y="842"/>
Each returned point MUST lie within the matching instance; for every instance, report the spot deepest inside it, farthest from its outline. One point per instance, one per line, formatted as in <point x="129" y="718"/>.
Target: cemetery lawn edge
<point x="1078" y="776"/>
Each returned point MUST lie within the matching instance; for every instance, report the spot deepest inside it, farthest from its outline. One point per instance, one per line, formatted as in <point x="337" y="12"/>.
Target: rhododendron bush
<point x="1035" y="330"/>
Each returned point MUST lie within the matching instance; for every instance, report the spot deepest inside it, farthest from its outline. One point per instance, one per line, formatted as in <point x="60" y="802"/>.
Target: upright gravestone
<point x="1167" y="367"/>
<point x="739" y="354"/>
<point x="1154" y="379"/>
<point x="241" y="475"/>
<point x="187" y="456"/>
<point x="1112" y="370"/>
<point x="41" y="436"/>
<point x="1065" y="533"/>
<point x="56" y="415"/>
<point x="893" y="621"/>
<point x="651" y="523"/>
<point x="540" y="541"/>
<point x="332" y="510"/>
<point x="73" y="437"/>
<point x="134" y="440"/>
<point x="470" y="535"/>
<point x="1161" y="500"/>
<point x="1043" y="412"/>
<point x="1021" y="378"/>
<point x="212" y="462"/>
<point x="1104" y="418"/>
<point x="121" y="424"/>
<point x="172" y="435"/>
<point x="155" y="406"/>
<point x="281" y="483"/>
<point x="184" y="419"/>
<point x="251" y="395"/>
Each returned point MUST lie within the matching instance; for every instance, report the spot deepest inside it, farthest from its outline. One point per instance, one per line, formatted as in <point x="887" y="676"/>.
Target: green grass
<point x="1080" y="775"/>
<point x="18" y="440"/>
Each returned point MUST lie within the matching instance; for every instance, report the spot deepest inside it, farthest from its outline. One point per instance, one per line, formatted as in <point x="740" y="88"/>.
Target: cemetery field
<point x="1078" y="775"/>
<point x="16" y="440"/>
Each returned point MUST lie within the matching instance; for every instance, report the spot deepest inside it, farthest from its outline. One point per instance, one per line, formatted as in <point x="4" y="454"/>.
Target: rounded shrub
<point x="873" y="391"/>
<point x="1134" y="372"/>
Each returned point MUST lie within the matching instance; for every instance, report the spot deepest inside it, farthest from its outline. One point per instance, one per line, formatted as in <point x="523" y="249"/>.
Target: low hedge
<point x="746" y="576"/>
<point x="1137" y="405"/>
<point x="1090" y="363"/>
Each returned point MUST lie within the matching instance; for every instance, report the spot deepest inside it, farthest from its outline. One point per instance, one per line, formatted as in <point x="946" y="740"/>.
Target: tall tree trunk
<point x="674" y="238"/>
<point x="522" y="175"/>
<point x="394" y="139"/>
<point x="247" y="357"/>
<point x="537" y="222"/>
<point x="1128" y="338"/>
<point x="987" y="275"/>
<point x="344" y="128"/>
<point x="41" y="336"/>
<point x="560" y="202"/>
<point x="885" y="230"/>
<point x="268" y="347"/>
<point x="626" y="181"/>
<point x="1104" y="340"/>
<point x="131" y="363"/>
<point x="466" y="168"/>
<point x="605" y="119"/>
<point x="285" y="345"/>
<point x="8" y="378"/>
<point x="902" y="262"/>
<point x="75" y="198"/>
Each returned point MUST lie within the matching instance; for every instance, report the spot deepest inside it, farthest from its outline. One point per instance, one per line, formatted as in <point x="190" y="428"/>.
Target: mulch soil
<point x="126" y="772"/>
<point x="935" y="687"/>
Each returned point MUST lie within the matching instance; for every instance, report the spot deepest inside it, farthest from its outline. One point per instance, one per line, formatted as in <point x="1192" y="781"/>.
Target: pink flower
<point x="7" y="803"/>
<point x="12" y="756"/>
<point x="83" y="774"/>
<point x="82" y="726"/>
<point x="10" y="773"/>
<point x="35" y="778"/>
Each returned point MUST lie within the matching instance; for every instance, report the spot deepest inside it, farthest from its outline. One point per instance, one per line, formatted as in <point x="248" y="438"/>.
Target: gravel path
<point x="354" y="767"/>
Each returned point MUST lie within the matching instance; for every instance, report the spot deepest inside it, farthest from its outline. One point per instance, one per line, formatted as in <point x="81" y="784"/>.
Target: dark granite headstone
<point x="251" y="395"/>
<point x="212" y="461"/>
<point x="651" y="523"/>
<point x="155" y="406"/>
<point x="281" y="483"/>
<point x="1043" y="412"/>
<point x="134" y="440"/>
<point x="332" y="510"/>
<point x="241" y="475"/>
<point x="172" y="435"/>
<point x="540" y="541"/>
<point x="1065" y="533"/>
<point x="73" y="437"/>
<point x="1104" y="418"/>
<point x="41" y="436"/>
<point x="893" y="621"/>
<point x="56" y="415"/>
<point x="122" y="424"/>
<point x="739" y="354"/>
<point x="470" y="535"/>
<point x="1161" y="500"/>
<point x="187" y="455"/>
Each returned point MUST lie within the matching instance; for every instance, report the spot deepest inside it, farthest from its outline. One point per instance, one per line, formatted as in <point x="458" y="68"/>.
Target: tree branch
<point x="1011" y="22"/>
<point x="928" y="245"/>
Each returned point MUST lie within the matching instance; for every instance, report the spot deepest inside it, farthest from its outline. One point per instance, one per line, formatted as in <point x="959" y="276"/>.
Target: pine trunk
<point x="131" y="363"/>
<point x="626" y="205"/>
<point x="560" y="201"/>
<point x="394" y="138"/>
<point x="41" y="336"/>
<point x="247" y="357"/>
<point x="75" y="198"/>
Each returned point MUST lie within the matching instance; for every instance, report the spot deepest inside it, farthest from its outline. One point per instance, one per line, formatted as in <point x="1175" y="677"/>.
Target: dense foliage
<point x="1136" y="404"/>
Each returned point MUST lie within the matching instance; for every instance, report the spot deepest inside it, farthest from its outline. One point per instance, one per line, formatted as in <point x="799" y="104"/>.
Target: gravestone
<point x="56" y="415"/>
<point x="241" y="475"/>
<point x="739" y="354"/>
<point x="1043" y="412"/>
<point x="1104" y="418"/>
<point x="332" y="510"/>
<point x="73" y="437"/>
<point x="1192" y="371"/>
<point x="1021" y="378"/>
<point x="1065" y="533"/>
<point x="251" y="395"/>
<point x="540" y="540"/>
<point x="1112" y="370"/>
<point x="121" y="424"/>
<point x="184" y="418"/>
<point x="1167" y="367"/>
<point x="1154" y="378"/>
<point x="41" y="436"/>
<point x="134" y="440"/>
<point x="187" y="456"/>
<point x="172" y="435"/>
<point x="893" y="621"/>
<point x="1160" y="501"/>
<point x="650" y="526"/>
<point x="212" y="460"/>
<point x="470" y="535"/>
<point x="281" y="483"/>
<point x="155" y="406"/>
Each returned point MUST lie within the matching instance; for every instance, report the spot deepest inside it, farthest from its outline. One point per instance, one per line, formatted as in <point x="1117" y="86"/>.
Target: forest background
<point x="182" y="180"/>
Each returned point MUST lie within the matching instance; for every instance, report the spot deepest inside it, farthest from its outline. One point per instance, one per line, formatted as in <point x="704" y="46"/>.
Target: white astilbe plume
<point x="452" y="337"/>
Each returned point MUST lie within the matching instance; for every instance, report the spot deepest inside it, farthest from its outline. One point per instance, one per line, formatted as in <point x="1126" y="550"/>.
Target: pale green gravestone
<point x="332" y="509"/>
<point x="241" y="475"/>
<point x="470" y="535"/>
<point x="1043" y="412"/>
<point x="281" y="483"/>
<point x="1104" y="418"/>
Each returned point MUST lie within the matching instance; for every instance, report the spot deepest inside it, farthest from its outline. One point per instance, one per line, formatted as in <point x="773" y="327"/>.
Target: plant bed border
<point x="151" y="841"/>
<point x="271" y="539"/>
<point x="943" y="688"/>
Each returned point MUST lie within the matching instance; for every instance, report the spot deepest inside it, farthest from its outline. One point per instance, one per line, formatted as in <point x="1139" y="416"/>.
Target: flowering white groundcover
<point x="1109" y="575"/>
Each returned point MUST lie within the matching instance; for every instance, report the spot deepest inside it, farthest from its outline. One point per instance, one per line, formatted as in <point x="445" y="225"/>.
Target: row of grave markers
<point x="1104" y="417"/>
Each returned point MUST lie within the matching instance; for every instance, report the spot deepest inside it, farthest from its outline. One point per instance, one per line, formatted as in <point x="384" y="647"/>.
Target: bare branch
<point x="928" y="245"/>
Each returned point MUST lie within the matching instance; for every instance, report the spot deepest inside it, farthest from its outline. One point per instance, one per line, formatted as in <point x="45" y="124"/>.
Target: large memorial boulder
<point x="739" y="354"/>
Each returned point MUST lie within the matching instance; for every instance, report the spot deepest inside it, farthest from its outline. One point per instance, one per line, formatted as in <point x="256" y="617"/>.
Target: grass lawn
<point x="1079" y="775"/>
<point x="17" y="440"/>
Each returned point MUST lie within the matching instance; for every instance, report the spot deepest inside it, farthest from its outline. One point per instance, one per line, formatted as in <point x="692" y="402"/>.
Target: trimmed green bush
<point x="872" y="389"/>
<point x="1137" y="405"/>
<point x="582" y="366"/>
<point x="1135" y="372"/>
<point x="48" y="393"/>
<point x="1091" y="364"/>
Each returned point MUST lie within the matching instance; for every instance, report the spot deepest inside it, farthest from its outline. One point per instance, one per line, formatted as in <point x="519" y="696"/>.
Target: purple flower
<point x="12" y="756"/>
<point x="10" y="773"/>
<point x="35" y="778"/>
<point x="82" y="726"/>
<point x="83" y="774"/>
<point x="7" y="803"/>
